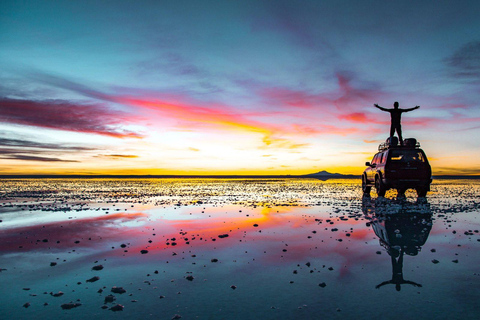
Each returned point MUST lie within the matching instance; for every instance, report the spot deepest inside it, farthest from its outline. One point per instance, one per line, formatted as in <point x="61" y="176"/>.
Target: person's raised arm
<point x="383" y="109"/>
<point x="410" y="109"/>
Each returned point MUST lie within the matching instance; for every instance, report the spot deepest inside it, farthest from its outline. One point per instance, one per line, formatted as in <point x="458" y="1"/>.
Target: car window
<point x="375" y="159"/>
<point x="406" y="156"/>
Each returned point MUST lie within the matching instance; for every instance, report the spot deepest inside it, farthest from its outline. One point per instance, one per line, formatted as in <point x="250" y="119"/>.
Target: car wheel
<point x="381" y="189"/>
<point x="365" y="188"/>
<point x="421" y="191"/>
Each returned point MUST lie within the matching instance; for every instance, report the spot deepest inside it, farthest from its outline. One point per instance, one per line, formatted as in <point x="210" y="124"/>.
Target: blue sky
<point x="272" y="87"/>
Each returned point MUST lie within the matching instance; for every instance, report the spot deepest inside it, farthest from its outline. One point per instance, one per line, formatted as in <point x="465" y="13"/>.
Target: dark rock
<point x="71" y="305"/>
<point x="233" y="287"/>
<point x="52" y="264"/>
<point x="117" y="307"/>
<point x="26" y="305"/>
<point x="435" y="261"/>
<point x="323" y="284"/>
<point x="98" y="267"/>
<point x="189" y="278"/>
<point x="109" y="299"/>
<point x="58" y="294"/>
<point x="214" y="260"/>
<point x="118" y="290"/>
<point x="93" y="279"/>
<point x="144" y="251"/>
<point x="104" y="307"/>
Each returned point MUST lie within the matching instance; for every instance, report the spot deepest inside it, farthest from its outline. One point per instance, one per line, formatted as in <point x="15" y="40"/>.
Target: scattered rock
<point x="52" y="264"/>
<point x="117" y="307"/>
<point x="71" y="305"/>
<point x="97" y="267"/>
<point x="93" y="279"/>
<point x="109" y="299"/>
<point x="58" y="294"/>
<point x="323" y="284"/>
<point x="118" y="290"/>
<point x="189" y="278"/>
<point x="26" y="305"/>
<point x="144" y="251"/>
<point x="435" y="261"/>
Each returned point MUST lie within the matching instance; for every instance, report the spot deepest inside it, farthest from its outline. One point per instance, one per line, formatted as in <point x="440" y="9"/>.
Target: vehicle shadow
<point x="402" y="228"/>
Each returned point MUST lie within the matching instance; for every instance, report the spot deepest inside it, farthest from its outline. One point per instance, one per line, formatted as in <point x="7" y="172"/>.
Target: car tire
<point x="365" y="187"/>
<point x="381" y="189"/>
<point x="421" y="191"/>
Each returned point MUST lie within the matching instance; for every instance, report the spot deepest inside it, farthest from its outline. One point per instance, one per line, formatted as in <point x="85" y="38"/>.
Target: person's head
<point x="395" y="105"/>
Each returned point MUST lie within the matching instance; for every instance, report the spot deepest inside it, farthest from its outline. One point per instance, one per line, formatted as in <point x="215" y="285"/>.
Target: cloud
<point x="118" y="156"/>
<point x="33" y="158"/>
<point x="40" y="145"/>
<point x="64" y="115"/>
<point x="465" y="62"/>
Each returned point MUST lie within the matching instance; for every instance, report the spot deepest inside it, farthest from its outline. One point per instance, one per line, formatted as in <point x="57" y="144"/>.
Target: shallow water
<point x="237" y="249"/>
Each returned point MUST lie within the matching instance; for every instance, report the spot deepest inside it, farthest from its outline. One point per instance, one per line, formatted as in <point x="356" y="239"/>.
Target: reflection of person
<point x="396" y="116"/>
<point x="397" y="271"/>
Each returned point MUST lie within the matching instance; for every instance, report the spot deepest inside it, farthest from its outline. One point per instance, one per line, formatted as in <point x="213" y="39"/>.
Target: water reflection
<point x="402" y="228"/>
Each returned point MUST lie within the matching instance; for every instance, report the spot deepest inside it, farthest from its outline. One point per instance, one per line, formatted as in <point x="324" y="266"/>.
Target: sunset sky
<point x="234" y="87"/>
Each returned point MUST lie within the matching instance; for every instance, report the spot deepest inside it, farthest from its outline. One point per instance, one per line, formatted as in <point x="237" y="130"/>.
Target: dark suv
<point x="399" y="167"/>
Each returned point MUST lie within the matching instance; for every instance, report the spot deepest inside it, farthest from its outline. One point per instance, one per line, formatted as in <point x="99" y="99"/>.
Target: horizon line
<point x="225" y="176"/>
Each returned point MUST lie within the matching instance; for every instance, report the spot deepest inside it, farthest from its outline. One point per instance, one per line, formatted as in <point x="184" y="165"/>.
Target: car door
<point x="371" y="170"/>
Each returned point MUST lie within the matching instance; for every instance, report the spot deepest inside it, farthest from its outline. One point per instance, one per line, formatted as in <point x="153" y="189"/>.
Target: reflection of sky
<point x="236" y="87"/>
<point x="278" y="263"/>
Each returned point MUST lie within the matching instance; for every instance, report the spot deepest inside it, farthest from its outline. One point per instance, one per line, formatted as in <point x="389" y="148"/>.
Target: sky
<point x="234" y="87"/>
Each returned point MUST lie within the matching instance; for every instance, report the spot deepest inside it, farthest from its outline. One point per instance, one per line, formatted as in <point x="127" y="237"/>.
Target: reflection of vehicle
<point x="399" y="167"/>
<point x="402" y="228"/>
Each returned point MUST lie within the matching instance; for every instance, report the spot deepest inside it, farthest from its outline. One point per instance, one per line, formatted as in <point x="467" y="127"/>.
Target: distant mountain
<point x="327" y="175"/>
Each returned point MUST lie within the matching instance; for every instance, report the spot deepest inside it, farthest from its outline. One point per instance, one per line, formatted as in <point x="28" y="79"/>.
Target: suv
<point x="398" y="167"/>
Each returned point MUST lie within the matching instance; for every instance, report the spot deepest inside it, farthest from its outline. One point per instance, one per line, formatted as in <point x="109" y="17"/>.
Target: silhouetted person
<point x="397" y="271"/>
<point x="396" y="116"/>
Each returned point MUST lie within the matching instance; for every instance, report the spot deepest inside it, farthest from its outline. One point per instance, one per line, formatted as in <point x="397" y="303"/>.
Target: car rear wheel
<point x="421" y="191"/>
<point x="365" y="188"/>
<point x="381" y="189"/>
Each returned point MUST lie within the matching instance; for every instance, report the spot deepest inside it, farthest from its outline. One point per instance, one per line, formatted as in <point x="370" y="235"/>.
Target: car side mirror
<point x="368" y="164"/>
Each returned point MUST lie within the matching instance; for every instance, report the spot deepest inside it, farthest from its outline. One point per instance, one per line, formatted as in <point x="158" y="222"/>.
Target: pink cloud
<point x="65" y="115"/>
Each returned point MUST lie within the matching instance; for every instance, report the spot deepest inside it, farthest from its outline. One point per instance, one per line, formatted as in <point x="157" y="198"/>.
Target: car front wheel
<point x="365" y="188"/>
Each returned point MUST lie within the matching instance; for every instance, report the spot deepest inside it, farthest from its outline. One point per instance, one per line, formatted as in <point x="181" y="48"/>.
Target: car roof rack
<point x="410" y="143"/>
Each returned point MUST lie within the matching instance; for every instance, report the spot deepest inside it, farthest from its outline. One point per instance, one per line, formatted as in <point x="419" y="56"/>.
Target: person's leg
<point x="392" y="130"/>
<point x="399" y="132"/>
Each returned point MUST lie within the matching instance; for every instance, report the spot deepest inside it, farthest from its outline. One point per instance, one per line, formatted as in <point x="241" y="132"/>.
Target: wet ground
<point x="237" y="249"/>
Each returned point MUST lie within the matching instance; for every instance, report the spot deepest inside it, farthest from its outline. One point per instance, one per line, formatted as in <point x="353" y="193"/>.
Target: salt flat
<point x="236" y="249"/>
